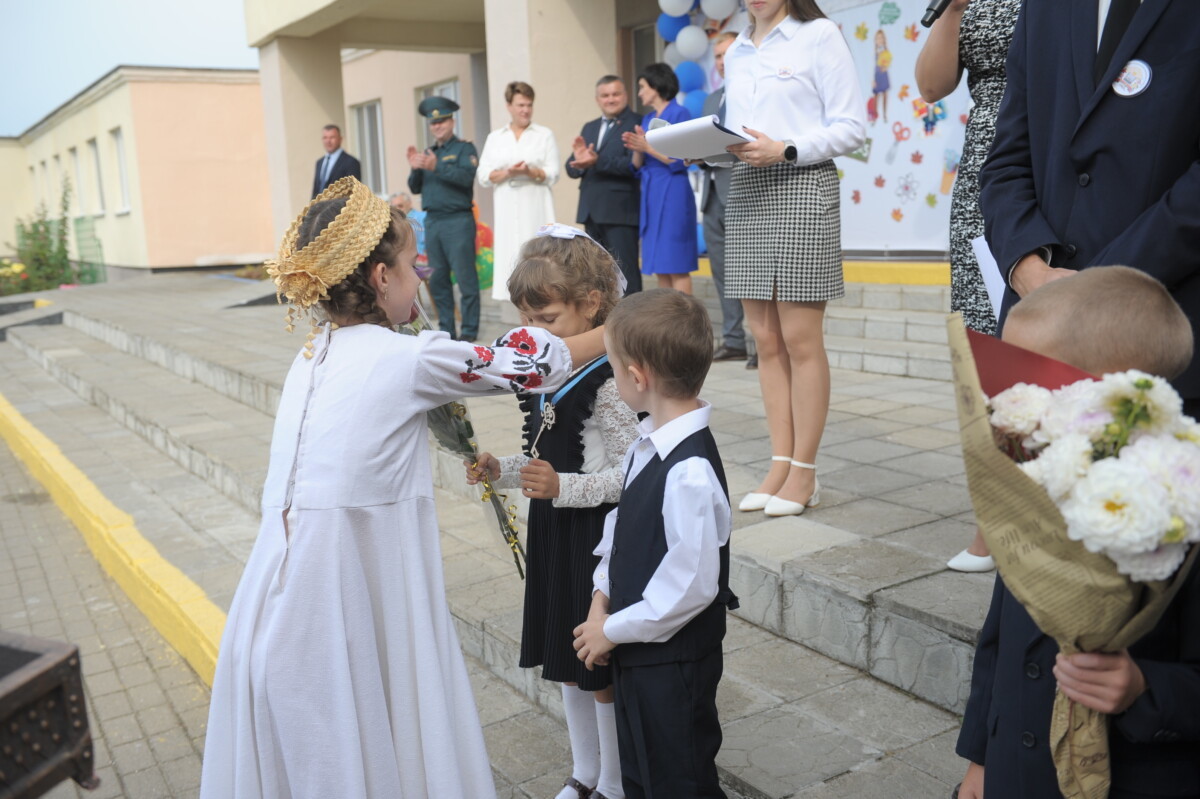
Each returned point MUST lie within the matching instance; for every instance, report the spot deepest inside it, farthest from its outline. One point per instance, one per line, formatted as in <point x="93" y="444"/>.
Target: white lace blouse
<point x="607" y="434"/>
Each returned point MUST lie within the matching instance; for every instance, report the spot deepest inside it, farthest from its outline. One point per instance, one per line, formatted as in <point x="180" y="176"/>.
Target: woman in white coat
<point x="520" y="160"/>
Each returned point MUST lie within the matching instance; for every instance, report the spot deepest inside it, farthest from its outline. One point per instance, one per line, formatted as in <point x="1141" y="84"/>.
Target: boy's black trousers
<point x="668" y="733"/>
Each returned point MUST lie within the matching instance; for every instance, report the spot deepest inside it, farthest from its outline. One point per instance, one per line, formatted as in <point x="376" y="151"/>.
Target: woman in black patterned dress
<point x="972" y="35"/>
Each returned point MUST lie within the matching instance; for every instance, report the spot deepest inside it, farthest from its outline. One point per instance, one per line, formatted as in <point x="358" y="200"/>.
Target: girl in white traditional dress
<point x="340" y="674"/>
<point x="521" y="161"/>
<point x="572" y="471"/>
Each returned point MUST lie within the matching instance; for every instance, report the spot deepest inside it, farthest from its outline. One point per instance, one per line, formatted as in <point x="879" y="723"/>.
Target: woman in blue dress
<point x="668" y="217"/>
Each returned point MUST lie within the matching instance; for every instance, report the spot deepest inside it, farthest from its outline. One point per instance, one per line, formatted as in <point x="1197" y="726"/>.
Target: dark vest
<point x="639" y="545"/>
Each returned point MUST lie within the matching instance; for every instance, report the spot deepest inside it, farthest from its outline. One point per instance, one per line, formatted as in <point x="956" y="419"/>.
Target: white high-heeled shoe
<point x="757" y="500"/>
<point x="777" y="506"/>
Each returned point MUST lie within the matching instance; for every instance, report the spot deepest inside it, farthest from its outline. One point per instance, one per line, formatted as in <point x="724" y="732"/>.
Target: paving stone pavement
<point x="146" y="707"/>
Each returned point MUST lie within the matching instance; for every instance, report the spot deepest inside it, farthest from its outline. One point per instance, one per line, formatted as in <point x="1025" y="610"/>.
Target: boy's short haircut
<point x="1109" y="319"/>
<point x="667" y="333"/>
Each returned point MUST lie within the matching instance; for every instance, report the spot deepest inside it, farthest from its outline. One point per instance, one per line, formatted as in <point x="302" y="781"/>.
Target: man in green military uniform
<point x="444" y="176"/>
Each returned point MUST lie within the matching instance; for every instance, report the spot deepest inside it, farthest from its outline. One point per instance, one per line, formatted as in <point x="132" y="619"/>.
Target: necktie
<point x="605" y="127"/>
<point x="721" y="110"/>
<point x="1120" y="13"/>
<point x="326" y="168"/>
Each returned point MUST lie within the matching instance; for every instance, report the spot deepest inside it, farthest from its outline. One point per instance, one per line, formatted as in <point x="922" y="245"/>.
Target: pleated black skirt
<point x="558" y="590"/>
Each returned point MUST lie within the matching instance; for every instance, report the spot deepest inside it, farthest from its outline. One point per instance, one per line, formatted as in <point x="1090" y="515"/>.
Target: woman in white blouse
<point x="521" y="161"/>
<point x="791" y="86"/>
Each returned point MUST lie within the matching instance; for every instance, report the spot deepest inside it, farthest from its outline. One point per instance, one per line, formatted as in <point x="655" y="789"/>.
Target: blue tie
<point x="326" y="170"/>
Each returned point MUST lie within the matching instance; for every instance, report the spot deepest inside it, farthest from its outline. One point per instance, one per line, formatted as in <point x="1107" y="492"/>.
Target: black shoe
<point x="725" y="353"/>
<point x="752" y="363"/>
<point x="470" y="338"/>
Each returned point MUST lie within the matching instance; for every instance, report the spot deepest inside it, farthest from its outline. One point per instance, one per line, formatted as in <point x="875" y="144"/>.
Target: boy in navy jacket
<point x="1106" y="319"/>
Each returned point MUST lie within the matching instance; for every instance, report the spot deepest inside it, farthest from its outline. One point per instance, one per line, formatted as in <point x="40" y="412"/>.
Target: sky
<point x="53" y="49"/>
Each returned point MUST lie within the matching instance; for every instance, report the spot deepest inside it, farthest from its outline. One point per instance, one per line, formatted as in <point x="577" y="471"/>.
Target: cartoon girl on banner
<point x="881" y="84"/>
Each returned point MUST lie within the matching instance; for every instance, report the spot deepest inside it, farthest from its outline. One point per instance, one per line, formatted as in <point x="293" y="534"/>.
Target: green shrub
<point x="42" y="248"/>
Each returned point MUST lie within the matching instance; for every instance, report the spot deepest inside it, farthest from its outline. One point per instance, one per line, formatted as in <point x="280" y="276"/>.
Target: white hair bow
<point x="560" y="231"/>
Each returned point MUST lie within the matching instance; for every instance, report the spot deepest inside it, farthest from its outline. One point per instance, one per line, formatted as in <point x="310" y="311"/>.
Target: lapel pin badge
<point x="1133" y="80"/>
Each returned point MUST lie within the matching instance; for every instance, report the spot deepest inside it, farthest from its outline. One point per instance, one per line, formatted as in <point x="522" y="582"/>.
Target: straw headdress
<point x="304" y="276"/>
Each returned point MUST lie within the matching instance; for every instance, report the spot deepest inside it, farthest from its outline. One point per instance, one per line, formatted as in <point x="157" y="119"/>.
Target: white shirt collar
<point x="786" y="28"/>
<point x="333" y="156"/>
<point x="667" y="437"/>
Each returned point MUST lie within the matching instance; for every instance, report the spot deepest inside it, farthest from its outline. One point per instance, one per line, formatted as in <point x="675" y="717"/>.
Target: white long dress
<point x="340" y="673"/>
<point x="521" y="205"/>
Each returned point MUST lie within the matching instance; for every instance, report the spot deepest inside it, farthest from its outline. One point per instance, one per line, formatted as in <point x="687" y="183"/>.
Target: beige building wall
<point x="202" y="158"/>
<point x="111" y="194"/>
<point x="169" y="165"/>
<point x="16" y="195"/>
<point x="395" y="78"/>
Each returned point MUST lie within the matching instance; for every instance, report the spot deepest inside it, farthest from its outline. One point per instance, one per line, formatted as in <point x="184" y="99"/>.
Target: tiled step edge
<point x="248" y="389"/>
<point x="189" y="452"/>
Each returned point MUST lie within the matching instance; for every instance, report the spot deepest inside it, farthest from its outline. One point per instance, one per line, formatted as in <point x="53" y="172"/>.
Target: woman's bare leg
<point x="774" y="379"/>
<point x="801" y="332"/>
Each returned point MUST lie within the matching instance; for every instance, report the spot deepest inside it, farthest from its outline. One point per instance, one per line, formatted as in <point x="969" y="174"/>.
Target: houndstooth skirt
<point x="783" y="234"/>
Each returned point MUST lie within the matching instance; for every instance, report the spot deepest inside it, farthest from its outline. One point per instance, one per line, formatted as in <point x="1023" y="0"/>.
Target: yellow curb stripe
<point x="904" y="273"/>
<point x="176" y="606"/>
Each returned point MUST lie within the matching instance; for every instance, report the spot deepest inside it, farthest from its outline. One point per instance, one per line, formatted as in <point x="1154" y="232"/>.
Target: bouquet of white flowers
<point x="1119" y="459"/>
<point x="1087" y="492"/>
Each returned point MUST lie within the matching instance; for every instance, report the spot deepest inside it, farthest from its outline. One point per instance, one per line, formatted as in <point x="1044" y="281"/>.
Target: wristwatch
<point x="789" y="152"/>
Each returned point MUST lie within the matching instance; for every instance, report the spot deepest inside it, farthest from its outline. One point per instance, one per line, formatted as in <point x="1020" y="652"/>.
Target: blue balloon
<point x="693" y="101"/>
<point x="669" y="26"/>
<point x="691" y="76"/>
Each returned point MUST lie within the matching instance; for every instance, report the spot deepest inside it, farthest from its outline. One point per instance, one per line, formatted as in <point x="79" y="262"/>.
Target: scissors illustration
<point x="902" y="133"/>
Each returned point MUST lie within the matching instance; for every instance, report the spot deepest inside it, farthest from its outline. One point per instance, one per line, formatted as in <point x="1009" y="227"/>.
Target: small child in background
<point x="1105" y="319"/>
<point x="571" y="471"/>
<point x="662" y="586"/>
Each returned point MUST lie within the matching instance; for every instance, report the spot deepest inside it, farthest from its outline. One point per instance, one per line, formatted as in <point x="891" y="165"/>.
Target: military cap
<point x="437" y="108"/>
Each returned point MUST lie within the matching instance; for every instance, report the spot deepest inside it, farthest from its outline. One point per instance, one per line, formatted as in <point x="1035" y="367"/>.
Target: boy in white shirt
<point x="662" y="586"/>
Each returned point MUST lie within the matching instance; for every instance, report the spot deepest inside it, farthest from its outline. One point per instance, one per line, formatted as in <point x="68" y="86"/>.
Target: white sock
<point x="610" y="758"/>
<point x="580" y="710"/>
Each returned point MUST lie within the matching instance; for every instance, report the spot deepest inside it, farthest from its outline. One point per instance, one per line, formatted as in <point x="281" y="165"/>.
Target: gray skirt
<point x="783" y="233"/>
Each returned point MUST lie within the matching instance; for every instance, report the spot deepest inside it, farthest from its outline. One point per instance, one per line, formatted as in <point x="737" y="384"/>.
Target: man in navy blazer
<point x="336" y="163"/>
<point x="1096" y="159"/>
<point x="609" y="189"/>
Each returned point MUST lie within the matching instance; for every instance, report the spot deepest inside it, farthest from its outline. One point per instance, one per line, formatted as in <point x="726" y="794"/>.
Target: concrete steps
<point x="217" y="439"/>
<point x="193" y="525"/>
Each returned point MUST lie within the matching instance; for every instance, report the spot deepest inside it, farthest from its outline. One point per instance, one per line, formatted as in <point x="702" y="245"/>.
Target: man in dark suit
<point x="1096" y="159"/>
<point x="336" y="163"/>
<point x="609" y="189"/>
<point x="712" y="204"/>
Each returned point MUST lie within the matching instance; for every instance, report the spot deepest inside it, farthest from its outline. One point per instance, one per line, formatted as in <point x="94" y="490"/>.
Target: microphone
<point x="936" y="9"/>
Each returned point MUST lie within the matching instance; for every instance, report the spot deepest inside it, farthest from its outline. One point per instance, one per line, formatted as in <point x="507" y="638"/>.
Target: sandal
<point x="584" y="791"/>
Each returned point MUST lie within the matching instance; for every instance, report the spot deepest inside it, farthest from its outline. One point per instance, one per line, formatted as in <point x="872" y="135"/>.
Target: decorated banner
<point x="896" y="187"/>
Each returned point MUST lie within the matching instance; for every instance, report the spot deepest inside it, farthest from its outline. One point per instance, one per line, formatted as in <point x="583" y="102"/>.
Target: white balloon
<point x="671" y="55"/>
<point x="718" y="9"/>
<point x="676" y="8"/>
<point x="692" y="43"/>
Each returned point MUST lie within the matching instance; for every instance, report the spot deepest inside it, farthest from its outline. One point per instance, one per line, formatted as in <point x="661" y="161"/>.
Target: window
<point x="122" y="171"/>
<point x="368" y="129"/>
<point x="77" y="172"/>
<point x="33" y="179"/>
<point x="448" y="89"/>
<point x="95" y="150"/>
<point x="58" y="176"/>
<point x="46" y="195"/>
